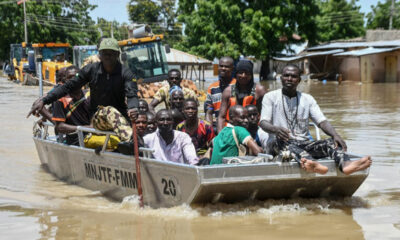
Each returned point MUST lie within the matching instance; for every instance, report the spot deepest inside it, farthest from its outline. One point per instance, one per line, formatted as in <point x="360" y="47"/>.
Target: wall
<point x="378" y="69"/>
<point x="349" y="67"/>
<point x="382" y="35"/>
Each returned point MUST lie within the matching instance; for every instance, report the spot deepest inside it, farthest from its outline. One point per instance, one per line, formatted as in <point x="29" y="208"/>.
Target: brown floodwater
<point x="35" y="205"/>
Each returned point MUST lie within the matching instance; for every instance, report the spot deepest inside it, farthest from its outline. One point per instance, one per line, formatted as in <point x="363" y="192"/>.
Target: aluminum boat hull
<point x="167" y="184"/>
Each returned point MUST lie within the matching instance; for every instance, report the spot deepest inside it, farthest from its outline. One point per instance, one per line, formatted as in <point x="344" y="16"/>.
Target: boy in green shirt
<point x="224" y="143"/>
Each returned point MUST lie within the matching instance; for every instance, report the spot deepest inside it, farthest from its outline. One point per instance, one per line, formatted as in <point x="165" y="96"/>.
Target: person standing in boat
<point x="163" y="94"/>
<point x="244" y="92"/>
<point x="227" y="142"/>
<point x="110" y="84"/>
<point x="285" y="116"/>
<point x="201" y="131"/>
<point x="169" y="144"/>
<point x="214" y="92"/>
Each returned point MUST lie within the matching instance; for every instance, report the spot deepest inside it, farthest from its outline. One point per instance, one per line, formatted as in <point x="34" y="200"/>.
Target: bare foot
<point x="353" y="166"/>
<point x="312" y="166"/>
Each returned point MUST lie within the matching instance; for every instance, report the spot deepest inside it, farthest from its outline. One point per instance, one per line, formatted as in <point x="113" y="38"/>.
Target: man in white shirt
<point x="285" y="116"/>
<point x="169" y="144"/>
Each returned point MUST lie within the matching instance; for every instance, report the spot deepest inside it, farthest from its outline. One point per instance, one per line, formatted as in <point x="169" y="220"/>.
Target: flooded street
<point x="35" y="205"/>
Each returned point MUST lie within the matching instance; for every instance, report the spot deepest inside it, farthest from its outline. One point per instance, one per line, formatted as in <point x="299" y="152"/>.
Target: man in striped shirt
<point x="214" y="91"/>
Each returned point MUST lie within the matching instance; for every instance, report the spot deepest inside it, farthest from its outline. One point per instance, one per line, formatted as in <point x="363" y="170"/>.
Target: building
<point x="363" y="61"/>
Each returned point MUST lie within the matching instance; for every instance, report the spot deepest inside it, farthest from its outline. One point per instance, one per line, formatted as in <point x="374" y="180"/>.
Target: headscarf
<point x="245" y="66"/>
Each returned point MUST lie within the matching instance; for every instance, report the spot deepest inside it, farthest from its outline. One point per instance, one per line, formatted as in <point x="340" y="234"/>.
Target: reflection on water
<point x="33" y="204"/>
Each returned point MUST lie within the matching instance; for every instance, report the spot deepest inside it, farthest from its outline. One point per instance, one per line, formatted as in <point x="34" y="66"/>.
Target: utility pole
<point x="391" y="15"/>
<point x="112" y="29"/>
<point x="26" y="32"/>
<point x="25" y="29"/>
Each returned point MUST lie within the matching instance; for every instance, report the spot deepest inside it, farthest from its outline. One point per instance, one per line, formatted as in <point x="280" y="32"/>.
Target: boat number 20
<point x="169" y="187"/>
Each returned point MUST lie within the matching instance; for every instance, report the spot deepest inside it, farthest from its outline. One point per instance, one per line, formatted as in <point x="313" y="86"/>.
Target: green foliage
<point x="380" y="14"/>
<point x="160" y="15"/>
<point x="235" y="27"/>
<point x="339" y="19"/>
<point x="213" y="29"/>
<point x="64" y="21"/>
<point x="120" y="31"/>
<point x="143" y="11"/>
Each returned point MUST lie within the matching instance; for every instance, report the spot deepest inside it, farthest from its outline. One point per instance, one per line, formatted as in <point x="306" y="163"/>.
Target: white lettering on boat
<point x="111" y="175"/>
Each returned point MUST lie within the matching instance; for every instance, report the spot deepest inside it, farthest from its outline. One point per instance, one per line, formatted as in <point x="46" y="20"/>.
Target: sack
<point x="96" y="141"/>
<point x="241" y="148"/>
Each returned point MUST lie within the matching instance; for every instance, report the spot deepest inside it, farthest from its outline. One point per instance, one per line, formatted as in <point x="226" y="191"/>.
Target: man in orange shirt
<point x="214" y="91"/>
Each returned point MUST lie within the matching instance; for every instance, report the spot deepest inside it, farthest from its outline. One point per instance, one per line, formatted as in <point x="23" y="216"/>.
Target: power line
<point x="59" y="22"/>
<point x="61" y="26"/>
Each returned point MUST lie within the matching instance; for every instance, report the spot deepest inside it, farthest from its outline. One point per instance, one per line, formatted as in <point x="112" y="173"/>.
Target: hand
<point x="339" y="142"/>
<point x="133" y="114"/>
<point x="41" y="121"/>
<point x="282" y="133"/>
<point x="37" y="106"/>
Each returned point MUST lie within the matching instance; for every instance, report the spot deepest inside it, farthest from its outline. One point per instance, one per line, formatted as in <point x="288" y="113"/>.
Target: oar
<point x="137" y="161"/>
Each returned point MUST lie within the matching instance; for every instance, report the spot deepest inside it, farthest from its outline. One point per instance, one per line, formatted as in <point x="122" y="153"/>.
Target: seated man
<point x="141" y="124"/>
<point x="143" y="106"/>
<point x="285" y="115"/>
<point x="163" y="95"/>
<point x="176" y="103"/>
<point x="169" y="144"/>
<point x="71" y="111"/>
<point x="201" y="131"/>
<point x="256" y="132"/>
<point x="225" y="142"/>
<point x="126" y="147"/>
<point x="61" y="78"/>
<point x="151" y="122"/>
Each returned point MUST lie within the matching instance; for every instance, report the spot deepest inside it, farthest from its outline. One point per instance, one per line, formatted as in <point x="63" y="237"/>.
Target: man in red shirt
<point x="199" y="130"/>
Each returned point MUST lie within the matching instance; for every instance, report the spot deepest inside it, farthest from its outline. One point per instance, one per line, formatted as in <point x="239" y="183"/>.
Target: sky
<point x="116" y="9"/>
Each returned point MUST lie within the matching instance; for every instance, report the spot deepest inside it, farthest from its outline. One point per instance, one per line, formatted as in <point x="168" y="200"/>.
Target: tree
<point x="64" y="21"/>
<point x="380" y="14"/>
<point x="212" y="29"/>
<point x="268" y="27"/>
<point x="160" y="15"/>
<point x="339" y="19"/>
<point x="143" y="11"/>
<point x="120" y="31"/>
<point x="234" y="27"/>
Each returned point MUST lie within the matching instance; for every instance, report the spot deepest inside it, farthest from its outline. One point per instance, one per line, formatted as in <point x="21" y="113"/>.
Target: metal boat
<point x="167" y="184"/>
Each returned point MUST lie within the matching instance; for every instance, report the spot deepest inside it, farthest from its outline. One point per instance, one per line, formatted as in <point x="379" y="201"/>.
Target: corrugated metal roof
<point x="366" y="51"/>
<point x="309" y="54"/>
<point x="336" y="45"/>
<point x="179" y="57"/>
